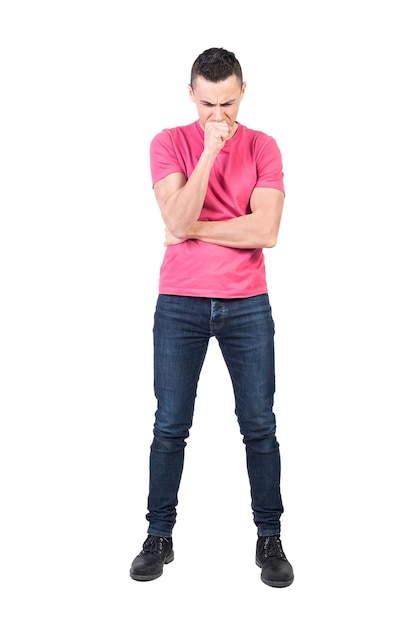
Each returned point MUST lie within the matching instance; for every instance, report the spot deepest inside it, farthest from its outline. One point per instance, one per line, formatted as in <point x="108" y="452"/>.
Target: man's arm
<point x="258" y="229"/>
<point x="181" y="201"/>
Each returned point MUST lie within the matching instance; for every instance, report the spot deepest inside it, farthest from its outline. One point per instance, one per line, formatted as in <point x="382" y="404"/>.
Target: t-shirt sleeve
<point x="163" y="157"/>
<point x="270" y="165"/>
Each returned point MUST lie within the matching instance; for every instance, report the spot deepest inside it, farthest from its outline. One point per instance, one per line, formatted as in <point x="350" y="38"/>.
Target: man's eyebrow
<point x="222" y="104"/>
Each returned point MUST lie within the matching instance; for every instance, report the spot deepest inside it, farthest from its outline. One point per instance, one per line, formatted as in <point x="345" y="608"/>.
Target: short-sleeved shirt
<point x="249" y="159"/>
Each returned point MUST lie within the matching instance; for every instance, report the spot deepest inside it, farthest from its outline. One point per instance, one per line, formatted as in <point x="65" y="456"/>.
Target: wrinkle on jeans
<point x="168" y="445"/>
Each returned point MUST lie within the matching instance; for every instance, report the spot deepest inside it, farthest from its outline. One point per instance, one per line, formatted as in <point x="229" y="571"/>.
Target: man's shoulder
<point x="186" y="130"/>
<point x="257" y="138"/>
<point x="252" y="132"/>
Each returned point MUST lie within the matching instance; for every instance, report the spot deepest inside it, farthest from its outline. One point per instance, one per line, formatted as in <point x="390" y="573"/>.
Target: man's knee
<point x="168" y="444"/>
<point x="262" y="443"/>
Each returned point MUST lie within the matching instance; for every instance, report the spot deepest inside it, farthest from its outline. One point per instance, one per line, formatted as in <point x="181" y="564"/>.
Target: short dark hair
<point x="216" y="64"/>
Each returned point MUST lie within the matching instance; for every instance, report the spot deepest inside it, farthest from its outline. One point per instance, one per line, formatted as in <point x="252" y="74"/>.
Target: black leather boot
<point x="276" y="570"/>
<point x="155" y="553"/>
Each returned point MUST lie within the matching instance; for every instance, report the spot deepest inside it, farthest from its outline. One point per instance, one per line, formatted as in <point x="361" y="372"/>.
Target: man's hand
<point x="216" y="134"/>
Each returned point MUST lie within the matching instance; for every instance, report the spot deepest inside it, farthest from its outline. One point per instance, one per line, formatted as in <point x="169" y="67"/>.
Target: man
<point x="219" y="186"/>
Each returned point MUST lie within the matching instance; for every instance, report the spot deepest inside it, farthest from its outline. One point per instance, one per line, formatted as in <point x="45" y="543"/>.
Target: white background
<point x="84" y="87"/>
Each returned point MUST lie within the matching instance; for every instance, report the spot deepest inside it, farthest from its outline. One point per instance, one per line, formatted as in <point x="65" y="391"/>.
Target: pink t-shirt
<point x="249" y="159"/>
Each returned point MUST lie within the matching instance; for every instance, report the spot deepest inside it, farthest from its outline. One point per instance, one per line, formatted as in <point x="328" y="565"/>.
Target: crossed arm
<point x="181" y="202"/>
<point x="258" y="229"/>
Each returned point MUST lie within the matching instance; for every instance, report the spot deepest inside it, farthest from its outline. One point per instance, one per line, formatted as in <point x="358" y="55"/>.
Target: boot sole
<point x="168" y="559"/>
<point x="275" y="583"/>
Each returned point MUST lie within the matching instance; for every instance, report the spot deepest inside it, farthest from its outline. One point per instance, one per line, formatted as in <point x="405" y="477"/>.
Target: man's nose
<point x="217" y="113"/>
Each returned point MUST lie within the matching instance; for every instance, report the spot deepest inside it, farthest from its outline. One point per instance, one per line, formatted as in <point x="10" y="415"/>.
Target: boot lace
<point x="154" y="544"/>
<point x="273" y="547"/>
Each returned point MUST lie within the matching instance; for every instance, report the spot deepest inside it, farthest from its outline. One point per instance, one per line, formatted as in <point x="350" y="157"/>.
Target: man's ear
<point x="191" y="94"/>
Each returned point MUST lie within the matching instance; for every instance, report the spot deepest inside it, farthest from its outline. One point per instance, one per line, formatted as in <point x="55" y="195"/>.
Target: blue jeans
<point x="244" y="329"/>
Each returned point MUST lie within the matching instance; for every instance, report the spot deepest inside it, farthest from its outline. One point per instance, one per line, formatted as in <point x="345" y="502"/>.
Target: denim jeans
<point x="244" y="329"/>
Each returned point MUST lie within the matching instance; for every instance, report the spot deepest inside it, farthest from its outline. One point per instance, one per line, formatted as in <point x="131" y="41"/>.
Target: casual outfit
<point x="205" y="291"/>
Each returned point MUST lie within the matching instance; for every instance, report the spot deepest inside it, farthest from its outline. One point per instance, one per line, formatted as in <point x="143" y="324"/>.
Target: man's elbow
<point x="177" y="230"/>
<point x="270" y="238"/>
<point x="179" y="233"/>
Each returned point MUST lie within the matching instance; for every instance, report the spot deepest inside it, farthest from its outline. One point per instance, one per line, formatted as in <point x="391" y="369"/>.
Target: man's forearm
<point x="246" y="231"/>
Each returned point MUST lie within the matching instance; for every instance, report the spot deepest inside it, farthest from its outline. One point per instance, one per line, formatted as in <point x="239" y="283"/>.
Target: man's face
<point x="217" y="101"/>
